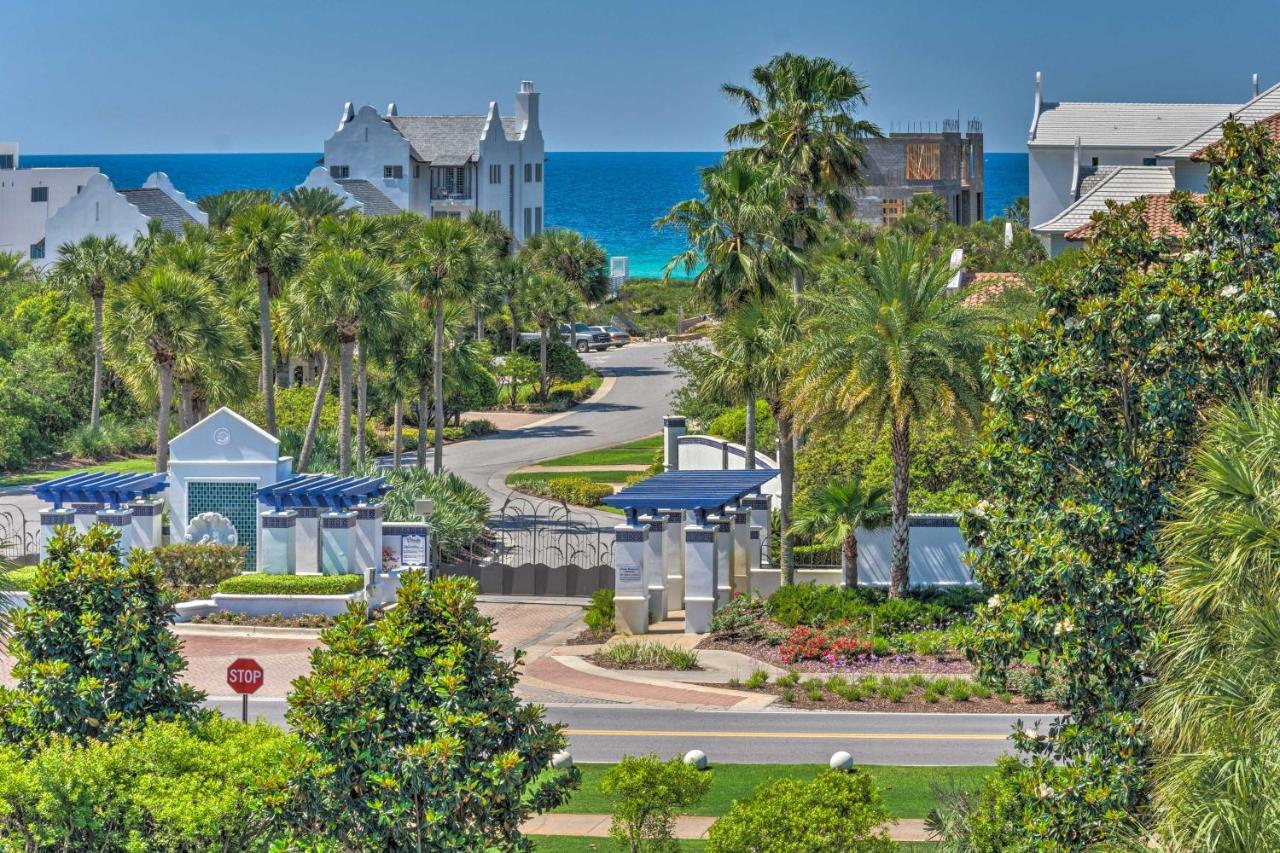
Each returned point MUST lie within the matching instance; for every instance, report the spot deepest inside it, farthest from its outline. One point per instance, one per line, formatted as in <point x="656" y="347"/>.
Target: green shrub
<point x="788" y="695"/>
<point x="414" y="736"/>
<point x="564" y="395"/>
<point x="742" y="618"/>
<point x="789" y="680"/>
<point x="563" y="364"/>
<point x="458" y="513"/>
<point x="731" y="424"/>
<point x="959" y="690"/>
<point x="259" y="583"/>
<point x="93" y="652"/>
<point x="600" y="614"/>
<point x="994" y="818"/>
<point x="645" y="795"/>
<point x="113" y="437"/>
<point x="757" y="679"/>
<point x="836" y="812"/>
<point x="187" y="564"/>
<point x="651" y="655"/>
<point x="578" y="491"/>
<point x="168" y="787"/>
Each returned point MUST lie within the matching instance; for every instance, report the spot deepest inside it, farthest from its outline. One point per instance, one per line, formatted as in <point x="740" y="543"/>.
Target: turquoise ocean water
<point x="613" y="197"/>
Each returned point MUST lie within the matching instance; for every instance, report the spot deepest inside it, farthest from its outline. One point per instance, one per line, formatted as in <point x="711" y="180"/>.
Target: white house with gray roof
<point x="443" y="165"/>
<point x="29" y="197"/>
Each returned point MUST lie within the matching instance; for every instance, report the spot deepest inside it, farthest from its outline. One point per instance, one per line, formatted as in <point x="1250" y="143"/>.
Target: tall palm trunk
<point x="162" y="416"/>
<point x="849" y="561"/>
<point x="266" y="376"/>
<point x="542" y="364"/>
<point x="900" y="553"/>
<point x="346" y="351"/>
<point x="96" y="406"/>
<point x="479" y="325"/>
<point x="313" y="422"/>
<point x="515" y="324"/>
<point x="424" y="396"/>
<point x="437" y="377"/>
<point x="397" y="432"/>
<point x="797" y="242"/>
<point x="787" y="469"/>
<point x="186" y="403"/>
<point x="750" y="439"/>
<point x="362" y="403"/>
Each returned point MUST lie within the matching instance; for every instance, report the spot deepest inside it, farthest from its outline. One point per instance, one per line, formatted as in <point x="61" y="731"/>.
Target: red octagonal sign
<point x="245" y="675"/>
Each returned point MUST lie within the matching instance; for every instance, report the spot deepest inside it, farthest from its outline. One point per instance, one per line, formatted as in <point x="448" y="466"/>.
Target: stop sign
<point x="245" y="675"/>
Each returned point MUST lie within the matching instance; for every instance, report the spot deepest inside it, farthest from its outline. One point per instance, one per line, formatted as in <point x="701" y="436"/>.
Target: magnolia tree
<point x="1095" y="410"/>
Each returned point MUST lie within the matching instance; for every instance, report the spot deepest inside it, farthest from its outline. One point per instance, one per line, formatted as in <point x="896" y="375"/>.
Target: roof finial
<point x="391" y="109"/>
<point x="1255" y="84"/>
<point x="347" y="114"/>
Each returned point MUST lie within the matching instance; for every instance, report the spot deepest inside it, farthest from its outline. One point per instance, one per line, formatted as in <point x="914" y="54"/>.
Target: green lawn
<point x="20" y="578"/>
<point x="907" y="791"/>
<point x="140" y="465"/>
<point x="547" y="476"/>
<point x="639" y="452"/>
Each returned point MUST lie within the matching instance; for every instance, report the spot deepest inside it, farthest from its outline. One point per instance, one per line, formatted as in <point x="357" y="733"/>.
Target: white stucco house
<point x="444" y="165"/>
<point x="28" y="198"/>
<point x="1082" y="154"/>
<point x="126" y="214"/>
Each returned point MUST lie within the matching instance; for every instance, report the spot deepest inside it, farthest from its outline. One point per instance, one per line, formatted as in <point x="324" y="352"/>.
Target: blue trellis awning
<point x="697" y="491"/>
<point x="323" y="490"/>
<point x="102" y="488"/>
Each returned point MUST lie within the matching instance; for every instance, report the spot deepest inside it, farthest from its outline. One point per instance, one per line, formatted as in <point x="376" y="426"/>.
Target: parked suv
<point x="619" y="338"/>
<point x="583" y="337"/>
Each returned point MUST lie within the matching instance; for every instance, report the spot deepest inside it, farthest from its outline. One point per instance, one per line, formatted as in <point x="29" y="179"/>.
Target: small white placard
<point x="630" y="572"/>
<point x="413" y="550"/>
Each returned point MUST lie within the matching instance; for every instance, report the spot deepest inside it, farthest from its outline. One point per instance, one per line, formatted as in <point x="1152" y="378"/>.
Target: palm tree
<point x="1211" y="707"/>
<point x="781" y="330"/>
<point x="343" y="291"/>
<point x="894" y="349"/>
<point x="732" y="233"/>
<point x="506" y="278"/>
<point x="833" y="515"/>
<point x="157" y="322"/>
<point x="548" y="299"/>
<point x="222" y="207"/>
<point x="802" y="124"/>
<point x="14" y="269"/>
<point x="266" y="241"/>
<point x="731" y="367"/>
<point x="312" y="204"/>
<point x="90" y="266"/>
<point x="441" y="262"/>
<point x="577" y="260"/>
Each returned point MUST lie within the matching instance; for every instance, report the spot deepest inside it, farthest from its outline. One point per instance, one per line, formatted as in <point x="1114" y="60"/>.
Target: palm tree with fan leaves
<point x="832" y="515"/>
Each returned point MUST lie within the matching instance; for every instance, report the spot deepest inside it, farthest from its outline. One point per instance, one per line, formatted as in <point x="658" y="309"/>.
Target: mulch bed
<point x="587" y="637"/>
<point x="911" y="703"/>
<point x="606" y="662"/>
<point x="947" y="664"/>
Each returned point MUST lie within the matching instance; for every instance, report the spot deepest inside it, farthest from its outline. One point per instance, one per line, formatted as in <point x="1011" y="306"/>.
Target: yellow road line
<point x="789" y="735"/>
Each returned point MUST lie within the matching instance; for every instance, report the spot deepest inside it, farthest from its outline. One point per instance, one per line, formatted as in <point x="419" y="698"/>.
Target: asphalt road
<point x="607" y="732"/>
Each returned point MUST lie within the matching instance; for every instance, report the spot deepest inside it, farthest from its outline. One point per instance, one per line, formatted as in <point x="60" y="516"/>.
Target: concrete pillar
<point x="655" y="576"/>
<point x="86" y="516"/>
<point x="724" y="559"/>
<point x="673" y="427"/>
<point x="369" y="536"/>
<point x="673" y="560"/>
<point x="121" y="521"/>
<point x="148" y="523"/>
<point x="741" y="544"/>
<point x="338" y="543"/>
<point x="630" y="593"/>
<point x="700" y="577"/>
<point x="49" y="519"/>
<point x="308" y="539"/>
<point x="278" y="542"/>
<point x="759" y="507"/>
<point x="764" y="580"/>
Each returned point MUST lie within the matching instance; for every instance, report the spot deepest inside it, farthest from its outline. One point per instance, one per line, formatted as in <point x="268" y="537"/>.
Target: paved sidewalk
<point x="573" y="675"/>
<point x="686" y="826"/>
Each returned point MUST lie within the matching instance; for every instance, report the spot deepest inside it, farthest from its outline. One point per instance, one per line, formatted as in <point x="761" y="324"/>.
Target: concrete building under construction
<point x="923" y="159"/>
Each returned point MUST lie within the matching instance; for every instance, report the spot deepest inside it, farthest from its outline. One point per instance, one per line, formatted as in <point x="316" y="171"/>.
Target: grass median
<point x="139" y="465"/>
<point x="638" y="452"/>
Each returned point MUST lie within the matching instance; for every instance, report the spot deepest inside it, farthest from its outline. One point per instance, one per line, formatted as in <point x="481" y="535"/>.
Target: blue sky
<point x="271" y="75"/>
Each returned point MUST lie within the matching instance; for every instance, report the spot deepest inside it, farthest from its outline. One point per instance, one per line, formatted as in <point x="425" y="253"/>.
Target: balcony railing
<point x="445" y="195"/>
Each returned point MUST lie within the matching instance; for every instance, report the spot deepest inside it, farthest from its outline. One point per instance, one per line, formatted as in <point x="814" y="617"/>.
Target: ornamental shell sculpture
<point x="211" y="528"/>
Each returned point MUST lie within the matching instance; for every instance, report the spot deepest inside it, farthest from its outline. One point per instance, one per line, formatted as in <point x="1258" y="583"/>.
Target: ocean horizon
<point x="611" y="196"/>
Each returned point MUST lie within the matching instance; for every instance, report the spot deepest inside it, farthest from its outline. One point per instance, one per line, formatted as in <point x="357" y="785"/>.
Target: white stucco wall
<point x="320" y="179"/>
<point x="1050" y="170"/>
<point x="366" y="144"/>
<point x="160" y="181"/>
<point x="1190" y="177"/>
<point x="98" y="209"/>
<point x="708" y="453"/>
<point x="24" y="222"/>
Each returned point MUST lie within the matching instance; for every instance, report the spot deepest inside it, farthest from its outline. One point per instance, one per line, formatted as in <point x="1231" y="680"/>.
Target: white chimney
<point x="347" y="114"/>
<point x="957" y="267"/>
<point x="1008" y="234"/>
<point x="526" y="107"/>
<point x="1255" y="84"/>
<point x="391" y="110"/>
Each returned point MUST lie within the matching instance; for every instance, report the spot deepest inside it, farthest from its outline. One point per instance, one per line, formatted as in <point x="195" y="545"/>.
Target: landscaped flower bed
<point x="915" y="692"/>
<point x="645" y="655"/>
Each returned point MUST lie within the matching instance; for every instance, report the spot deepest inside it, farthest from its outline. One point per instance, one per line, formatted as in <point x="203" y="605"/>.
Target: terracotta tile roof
<point x="1158" y="216"/>
<point x="1271" y="123"/>
<point x="983" y="287"/>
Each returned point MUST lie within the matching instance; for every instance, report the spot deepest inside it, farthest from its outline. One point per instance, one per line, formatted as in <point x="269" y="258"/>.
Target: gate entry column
<point x="630" y="594"/>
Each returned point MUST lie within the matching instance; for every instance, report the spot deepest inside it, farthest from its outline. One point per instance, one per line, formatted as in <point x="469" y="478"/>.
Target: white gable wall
<point x="320" y="179"/>
<point x="98" y="209"/>
<point x="160" y="181"/>
<point x="23" y="222"/>
<point x="366" y="145"/>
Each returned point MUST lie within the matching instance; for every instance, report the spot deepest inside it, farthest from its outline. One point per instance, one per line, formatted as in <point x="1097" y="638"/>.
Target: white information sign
<point x="630" y="570"/>
<point x="413" y="550"/>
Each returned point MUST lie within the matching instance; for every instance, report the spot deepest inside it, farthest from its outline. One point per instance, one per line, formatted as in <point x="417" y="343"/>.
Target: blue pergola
<point x="327" y="491"/>
<point x="111" y="489"/>
<point x="698" y="492"/>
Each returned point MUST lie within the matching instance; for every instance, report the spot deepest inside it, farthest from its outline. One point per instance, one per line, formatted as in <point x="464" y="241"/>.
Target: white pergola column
<point x="699" y="577"/>
<point x="369" y="537"/>
<point x="724" y="559"/>
<point x="673" y="560"/>
<point x="308" y="539"/>
<point x="337" y="543"/>
<point x="673" y="427"/>
<point x="655" y="577"/>
<point x="630" y="593"/>
<point x="148" y="523"/>
<point x="759" y="507"/>
<point x="277" y="542"/>
<point x="121" y="521"/>
<point x="49" y="519"/>
<point x="741" y="545"/>
<point x="86" y="516"/>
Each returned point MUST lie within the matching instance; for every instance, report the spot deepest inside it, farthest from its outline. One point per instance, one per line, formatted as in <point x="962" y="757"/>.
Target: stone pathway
<point x="686" y="826"/>
<point x="575" y="469"/>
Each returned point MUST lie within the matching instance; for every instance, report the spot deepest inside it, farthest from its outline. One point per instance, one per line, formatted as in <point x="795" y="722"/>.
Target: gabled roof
<point x="155" y="203"/>
<point x="1142" y="125"/>
<point x="1123" y="185"/>
<point x="1271" y="124"/>
<point x="1263" y="106"/>
<point x="225" y="435"/>
<point x="1158" y="215"/>
<point x="447" y="140"/>
<point x="373" y="201"/>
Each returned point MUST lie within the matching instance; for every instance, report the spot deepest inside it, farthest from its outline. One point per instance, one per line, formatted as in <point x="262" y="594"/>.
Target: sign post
<point x="245" y="676"/>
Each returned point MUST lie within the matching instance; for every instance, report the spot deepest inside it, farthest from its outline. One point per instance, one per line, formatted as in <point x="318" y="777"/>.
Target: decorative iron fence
<point x="19" y="535"/>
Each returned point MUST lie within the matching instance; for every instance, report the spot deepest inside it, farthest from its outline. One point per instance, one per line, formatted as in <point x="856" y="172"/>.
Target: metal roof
<point x="1261" y="107"/>
<point x="1122" y="125"/>
<point x="374" y="201"/>
<point x="154" y="203"/>
<point x="451" y="140"/>
<point x="322" y="490"/>
<point x="700" y="491"/>
<point x="103" y="488"/>
<point x="1124" y="184"/>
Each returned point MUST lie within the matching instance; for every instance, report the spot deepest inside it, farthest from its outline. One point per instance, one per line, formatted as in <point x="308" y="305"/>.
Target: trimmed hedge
<point x="257" y="583"/>
<point x="572" y="490"/>
<point x="191" y="564"/>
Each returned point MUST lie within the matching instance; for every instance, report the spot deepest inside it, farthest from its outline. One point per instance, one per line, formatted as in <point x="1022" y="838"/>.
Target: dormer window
<point x="394" y="173"/>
